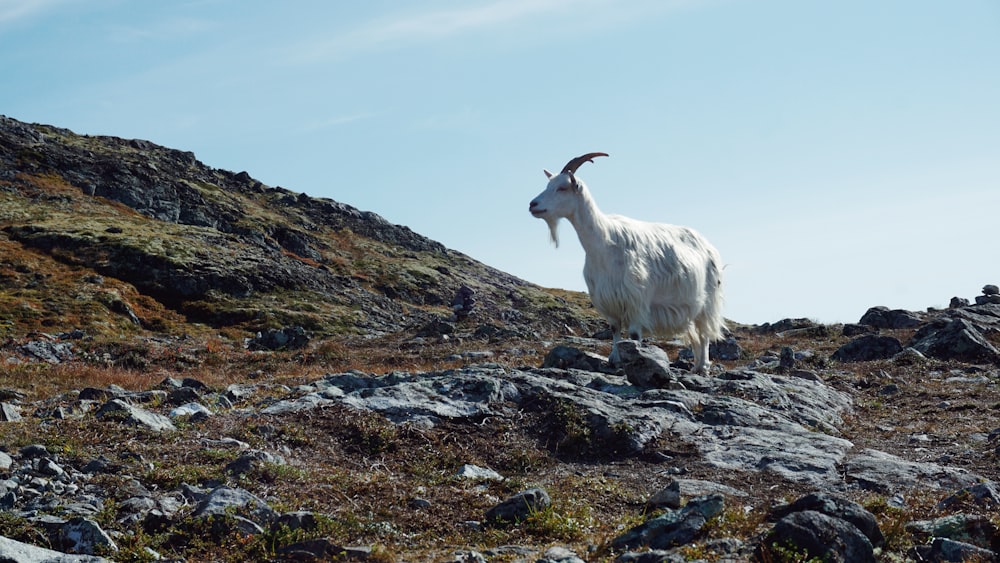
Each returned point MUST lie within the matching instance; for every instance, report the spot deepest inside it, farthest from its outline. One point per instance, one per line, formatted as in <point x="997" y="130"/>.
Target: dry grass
<point x="363" y="473"/>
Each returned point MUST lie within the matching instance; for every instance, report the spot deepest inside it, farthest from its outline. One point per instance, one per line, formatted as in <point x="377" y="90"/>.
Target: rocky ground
<point x="453" y="447"/>
<point x="195" y="366"/>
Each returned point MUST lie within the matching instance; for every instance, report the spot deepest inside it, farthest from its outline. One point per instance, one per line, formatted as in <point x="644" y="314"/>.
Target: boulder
<point x="228" y="501"/>
<point x="955" y="339"/>
<point x="883" y="317"/>
<point x="117" y="409"/>
<point x="13" y="550"/>
<point x="646" y="365"/>
<point x="568" y="357"/>
<point x="867" y="348"/>
<point x="673" y="528"/>
<point x="817" y="535"/>
<point x="288" y="338"/>
<point x="986" y="495"/>
<point x="82" y="535"/>
<point x="945" y="550"/>
<point x="518" y="507"/>
<point x="836" y="507"/>
<point x="972" y="529"/>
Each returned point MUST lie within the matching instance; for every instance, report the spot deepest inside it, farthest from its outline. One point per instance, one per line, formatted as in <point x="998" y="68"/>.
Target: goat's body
<point x="653" y="279"/>
<point x="643" y="277"/>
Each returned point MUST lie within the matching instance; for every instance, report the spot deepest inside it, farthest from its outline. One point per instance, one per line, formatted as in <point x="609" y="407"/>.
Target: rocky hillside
<point x="197" y="367"/>
<point x="103" y="234"/>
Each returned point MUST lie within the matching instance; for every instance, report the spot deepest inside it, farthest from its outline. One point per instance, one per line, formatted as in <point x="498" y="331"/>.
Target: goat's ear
<point x="547" y="173"/>
<point x="574" y="183"/>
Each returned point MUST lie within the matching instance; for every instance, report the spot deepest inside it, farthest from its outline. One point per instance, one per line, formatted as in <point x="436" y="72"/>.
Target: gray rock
<point x="9" y="413"/>
<point x="955" y="339"/>
<point x="322" y="549"/>
<point x="559" y="555"/>
<point x="973" y="529"/>
<point x="646" y="365"/>
<point x="228" y="501"/>
<point x="947" y="550"/>
<point x="736" y="427"/>
<point x="700" y="487"/>
<point x="33" y="451"/>
<point x="117" y="409"/>
<point x="19" y="552"/>
<point x="821" y="536"/>
<point x="49" y="352"/>
<point x="436" y="328"/>
<point x="251" y="460"/>
<point x="667" y="497"/>
<point x="298" y="520"/>
<point x="82" y="535"/>
<point x="651" y="556"/>
<point x="728" y="350"/>
<point x="182" y="395"/>
<point x="851" y="329"/>
<point x="288" y="338"/>
<point x="991" y="289"/>
<point x="867" y="348"/>
<point x="672" y="529"/>
<point x="468" y="392"/>
<point x="46" y="466"/>
<point x="985" y="494"/>
<point x="958" y="302"/>
<point x="518" y="507"/>
<point x="567" y="357"/>
<point x="887" y="474"/>
<point x="837" y="507"/>
<point x="305" y="402"/>
<point x="193" y="410"/>
<point x="883" y="317"/>
<point x="475" y="472"/>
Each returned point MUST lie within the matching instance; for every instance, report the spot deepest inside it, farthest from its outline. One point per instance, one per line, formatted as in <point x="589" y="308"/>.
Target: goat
<point x="664" y="279"/>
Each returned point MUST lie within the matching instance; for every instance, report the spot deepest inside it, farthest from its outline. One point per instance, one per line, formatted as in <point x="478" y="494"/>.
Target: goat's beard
<point x="553" y="229"/>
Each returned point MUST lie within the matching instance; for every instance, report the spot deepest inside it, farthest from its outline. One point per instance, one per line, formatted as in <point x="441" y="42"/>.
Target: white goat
<point x="642" y="276"/>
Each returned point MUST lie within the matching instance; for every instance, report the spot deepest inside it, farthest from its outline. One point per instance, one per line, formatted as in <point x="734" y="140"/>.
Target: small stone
<point x="9" y="413"/>
<point x="419" y="503"/>
<point x="469" y="471"/>
<point x="519" y="506"/>
<point x="668" y="497"/>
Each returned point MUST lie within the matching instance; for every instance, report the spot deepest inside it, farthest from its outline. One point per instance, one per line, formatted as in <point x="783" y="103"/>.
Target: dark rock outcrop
<point x="868" y="347"/>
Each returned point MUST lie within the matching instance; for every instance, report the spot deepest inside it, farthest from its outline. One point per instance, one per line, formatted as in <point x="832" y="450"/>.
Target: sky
<point x="840" y="155"/>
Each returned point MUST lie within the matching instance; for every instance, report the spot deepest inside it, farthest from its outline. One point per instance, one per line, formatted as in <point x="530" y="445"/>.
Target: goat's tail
<point x="710" y="324"/>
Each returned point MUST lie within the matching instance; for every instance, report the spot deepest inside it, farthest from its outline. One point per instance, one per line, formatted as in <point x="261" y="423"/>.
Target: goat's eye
<point x="562" y="188"/>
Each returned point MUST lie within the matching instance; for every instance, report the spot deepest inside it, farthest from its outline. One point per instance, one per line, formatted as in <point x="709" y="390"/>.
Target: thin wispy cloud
<point x="336" y="121"/>
<point x="16" y="10"/>
<point x="423" y="27"/>
<point x="176" y="28"/>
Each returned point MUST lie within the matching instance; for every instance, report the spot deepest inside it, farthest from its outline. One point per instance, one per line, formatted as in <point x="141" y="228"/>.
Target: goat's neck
<point x="590" y="224"/>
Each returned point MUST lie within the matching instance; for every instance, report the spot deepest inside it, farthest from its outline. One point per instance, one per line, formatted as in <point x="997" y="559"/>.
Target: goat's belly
<point x="614" y="305"/>
<point x="669" y="320"/>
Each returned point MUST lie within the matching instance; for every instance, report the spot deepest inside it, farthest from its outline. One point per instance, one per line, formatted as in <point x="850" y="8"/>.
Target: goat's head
<point x="562" y="195"/>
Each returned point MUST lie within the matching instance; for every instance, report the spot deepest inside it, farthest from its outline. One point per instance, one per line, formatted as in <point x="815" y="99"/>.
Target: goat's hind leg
<point x="700" y="349"/>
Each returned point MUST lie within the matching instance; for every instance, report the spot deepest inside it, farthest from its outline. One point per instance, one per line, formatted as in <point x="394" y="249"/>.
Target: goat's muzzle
<point x="533" y="209"/>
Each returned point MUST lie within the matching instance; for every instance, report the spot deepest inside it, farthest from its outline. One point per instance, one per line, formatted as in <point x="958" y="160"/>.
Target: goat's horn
<point x="572" y="165"/>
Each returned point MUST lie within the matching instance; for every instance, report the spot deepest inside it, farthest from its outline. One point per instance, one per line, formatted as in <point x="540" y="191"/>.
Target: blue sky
<point x="839" y="154"/>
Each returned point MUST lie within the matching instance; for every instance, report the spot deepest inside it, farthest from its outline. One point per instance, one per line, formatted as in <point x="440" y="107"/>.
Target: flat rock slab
<point x="741" y="420"/>
<point x="13" y="550"/>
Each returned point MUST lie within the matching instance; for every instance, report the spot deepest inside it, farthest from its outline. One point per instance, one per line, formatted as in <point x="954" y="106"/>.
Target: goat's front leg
<point x="616" y="337"/>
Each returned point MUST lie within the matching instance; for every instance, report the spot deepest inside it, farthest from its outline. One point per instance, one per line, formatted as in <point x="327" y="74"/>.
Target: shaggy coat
<point x="650" y="278"/>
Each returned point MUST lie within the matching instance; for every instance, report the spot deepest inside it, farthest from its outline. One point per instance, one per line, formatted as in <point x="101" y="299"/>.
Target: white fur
<point x="644" y="277"/>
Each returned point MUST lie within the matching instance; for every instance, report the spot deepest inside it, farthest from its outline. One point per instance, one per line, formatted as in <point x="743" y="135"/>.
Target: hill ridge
<point x="222" y="248"/>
